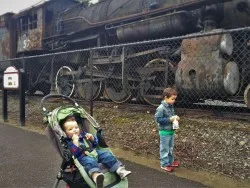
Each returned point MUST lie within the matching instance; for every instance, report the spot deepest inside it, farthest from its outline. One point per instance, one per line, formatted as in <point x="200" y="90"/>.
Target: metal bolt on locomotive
<point x="128" y="72"/>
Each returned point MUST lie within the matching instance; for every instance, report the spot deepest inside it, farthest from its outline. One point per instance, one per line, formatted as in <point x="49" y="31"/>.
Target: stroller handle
<point x="56" y="96"/>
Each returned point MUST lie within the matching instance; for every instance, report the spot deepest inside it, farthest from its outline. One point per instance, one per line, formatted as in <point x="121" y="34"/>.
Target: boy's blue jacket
<point x="76" y="151"/>
<point x="162" y="115"/>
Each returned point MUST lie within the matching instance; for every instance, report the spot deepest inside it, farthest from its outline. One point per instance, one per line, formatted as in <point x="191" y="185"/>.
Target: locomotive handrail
<point x="55" y="96"/>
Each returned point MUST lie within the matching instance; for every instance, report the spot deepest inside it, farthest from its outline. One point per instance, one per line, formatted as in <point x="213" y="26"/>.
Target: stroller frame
<point x="71" y="171"/>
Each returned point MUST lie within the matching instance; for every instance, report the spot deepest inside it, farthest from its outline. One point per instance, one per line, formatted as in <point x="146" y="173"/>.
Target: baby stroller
<point x="71" y="171"/>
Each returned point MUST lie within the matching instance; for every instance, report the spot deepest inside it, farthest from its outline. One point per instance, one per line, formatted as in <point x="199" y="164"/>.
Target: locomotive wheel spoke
<point x="153" y="81"/>
<point x="116" y="89"/>
<point x="64" y="81"/>
<point x="83" y="89"/>
<point x="117" y="92"/>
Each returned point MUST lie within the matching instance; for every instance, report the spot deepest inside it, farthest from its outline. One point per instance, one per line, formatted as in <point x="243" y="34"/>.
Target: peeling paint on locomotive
<point x="203" y="70"/>
<point x="37" y="22"/>
<point x="7" y="42"/>
<point x="6" y="37"/>
<point x="30" y="30"/>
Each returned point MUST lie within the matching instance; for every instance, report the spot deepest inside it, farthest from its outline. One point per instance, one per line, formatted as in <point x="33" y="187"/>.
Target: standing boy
<point x="164" y="117"/>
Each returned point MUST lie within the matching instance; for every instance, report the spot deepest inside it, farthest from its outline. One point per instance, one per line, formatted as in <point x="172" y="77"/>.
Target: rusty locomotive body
<point x="127" y="72"/>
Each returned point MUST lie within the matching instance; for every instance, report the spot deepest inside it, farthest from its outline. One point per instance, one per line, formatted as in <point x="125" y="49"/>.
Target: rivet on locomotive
<point x="197" y="66"/>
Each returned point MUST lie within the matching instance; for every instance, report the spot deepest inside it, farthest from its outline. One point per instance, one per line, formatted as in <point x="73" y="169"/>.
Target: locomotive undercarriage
<point x="121" y="76"/>
<point x="204" y="68"/>
<point x="201" y="70"/>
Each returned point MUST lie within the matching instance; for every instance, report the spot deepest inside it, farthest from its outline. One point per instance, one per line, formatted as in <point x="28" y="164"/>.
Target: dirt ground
<point x="214" y="145"/>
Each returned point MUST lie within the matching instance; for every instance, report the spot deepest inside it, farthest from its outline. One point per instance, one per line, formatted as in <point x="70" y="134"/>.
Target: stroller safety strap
<point x="87" y="149"/>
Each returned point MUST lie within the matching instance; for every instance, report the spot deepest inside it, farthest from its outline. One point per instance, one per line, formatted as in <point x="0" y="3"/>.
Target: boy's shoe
<point x="167" y="168"/>
<point x="122" y="172"/>
<point x="99" y="180"/>
<point x="175" y="164"/>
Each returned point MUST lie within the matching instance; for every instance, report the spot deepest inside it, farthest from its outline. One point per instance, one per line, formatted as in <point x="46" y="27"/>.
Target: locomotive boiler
<point x="130" y="72"/>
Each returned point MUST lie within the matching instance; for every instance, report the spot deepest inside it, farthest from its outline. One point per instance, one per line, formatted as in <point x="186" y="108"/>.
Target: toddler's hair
<point x="168" y="92"/>
<point x="70" y="117"/>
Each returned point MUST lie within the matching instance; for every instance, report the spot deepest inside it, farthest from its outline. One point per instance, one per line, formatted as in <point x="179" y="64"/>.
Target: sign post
<point x="14" y="79"/>
<point x="5" y="102"/>
<point x="22" y="96"/>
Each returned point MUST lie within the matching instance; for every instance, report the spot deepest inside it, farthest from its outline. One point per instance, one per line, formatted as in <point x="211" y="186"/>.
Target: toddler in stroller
<point x="78" y="139"/>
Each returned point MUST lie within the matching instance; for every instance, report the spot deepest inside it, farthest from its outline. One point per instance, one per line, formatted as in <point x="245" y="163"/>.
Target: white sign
<point x="11" y="78"/>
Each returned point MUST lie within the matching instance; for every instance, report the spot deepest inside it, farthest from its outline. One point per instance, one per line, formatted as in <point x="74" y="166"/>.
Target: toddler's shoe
<point x="99" y="180"/>
<point x="122" y="172"/>
<point x="175" y="164"/>
<point x="167" y="168"/>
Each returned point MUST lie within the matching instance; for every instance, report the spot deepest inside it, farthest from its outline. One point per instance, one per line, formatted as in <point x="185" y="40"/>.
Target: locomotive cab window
<point x="28" y="22"/>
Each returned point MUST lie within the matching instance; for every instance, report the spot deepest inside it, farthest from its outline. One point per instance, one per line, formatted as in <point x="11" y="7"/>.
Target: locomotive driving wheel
<point x="65" y="81"/>
<point x="118" y="86"/>
<point x="83" y="87"/>
<point x="153" y="80"/>
<point x="117" y="89"/>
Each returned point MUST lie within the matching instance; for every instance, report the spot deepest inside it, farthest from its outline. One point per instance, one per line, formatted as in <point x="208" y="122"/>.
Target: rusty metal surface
<point x="4" y="44"/>
<point x="197" y="47"/>
<point x="6" y="37"/>
<point x="31" y="39"/>
<point x="201" y="67"/>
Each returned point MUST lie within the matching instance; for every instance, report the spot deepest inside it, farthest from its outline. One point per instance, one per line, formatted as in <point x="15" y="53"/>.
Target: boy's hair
<point x="168" y="92"/>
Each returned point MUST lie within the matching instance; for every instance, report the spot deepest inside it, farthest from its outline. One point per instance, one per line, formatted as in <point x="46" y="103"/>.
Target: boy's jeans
<point x="166" y="150"/>
<point x="104" y="157"/>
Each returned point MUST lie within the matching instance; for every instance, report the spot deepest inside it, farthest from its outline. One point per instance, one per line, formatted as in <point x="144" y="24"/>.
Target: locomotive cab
<point x="30" y="29"/>
<point x="33" y="25"/>
<point x="36" y="23"/>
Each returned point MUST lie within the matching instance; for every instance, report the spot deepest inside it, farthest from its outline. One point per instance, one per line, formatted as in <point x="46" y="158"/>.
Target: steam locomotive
<point x="62" y="25"/>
